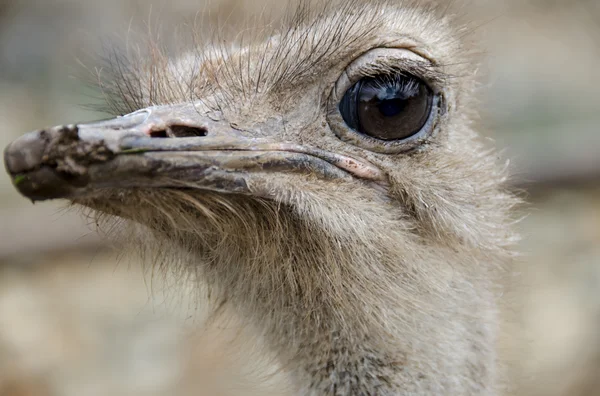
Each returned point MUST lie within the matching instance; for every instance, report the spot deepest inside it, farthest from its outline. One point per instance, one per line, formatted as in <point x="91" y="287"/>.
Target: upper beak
<point x="167" y="146"/>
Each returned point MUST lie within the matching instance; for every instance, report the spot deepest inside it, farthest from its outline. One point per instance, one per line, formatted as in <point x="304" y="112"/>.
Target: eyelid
<point x="378" y="56"/>
<point x="389" y="60"/>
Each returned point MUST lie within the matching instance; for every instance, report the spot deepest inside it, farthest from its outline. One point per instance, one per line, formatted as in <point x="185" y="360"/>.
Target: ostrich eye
<point x="387" y="107"/>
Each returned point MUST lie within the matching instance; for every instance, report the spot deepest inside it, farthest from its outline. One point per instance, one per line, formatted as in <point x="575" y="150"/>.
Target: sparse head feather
<point x="269" y="53"/>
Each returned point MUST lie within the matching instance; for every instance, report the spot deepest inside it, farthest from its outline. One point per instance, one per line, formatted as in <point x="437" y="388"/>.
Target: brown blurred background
<point x="78" y="319"/>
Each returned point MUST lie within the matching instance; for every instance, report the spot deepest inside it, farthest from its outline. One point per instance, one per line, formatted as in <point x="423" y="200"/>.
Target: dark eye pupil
<point x="391" y="107"/>
<point x="387" y="107"/>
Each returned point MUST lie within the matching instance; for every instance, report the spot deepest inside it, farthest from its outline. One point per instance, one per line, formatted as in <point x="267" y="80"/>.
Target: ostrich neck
<point x="348" y="309"/>
<point x="341" y="330"/>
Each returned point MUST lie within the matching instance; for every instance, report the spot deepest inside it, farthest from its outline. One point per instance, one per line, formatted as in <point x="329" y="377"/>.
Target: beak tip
<point x="23" y="159"/>
<point x="25" y="153"/>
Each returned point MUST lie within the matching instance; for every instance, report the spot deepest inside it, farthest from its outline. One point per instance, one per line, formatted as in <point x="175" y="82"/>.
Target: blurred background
<point x="78" y="319"/>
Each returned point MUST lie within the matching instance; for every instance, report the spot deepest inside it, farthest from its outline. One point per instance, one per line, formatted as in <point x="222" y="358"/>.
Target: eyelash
<point x="395" y="66"/>
<point x="397" y="83"/>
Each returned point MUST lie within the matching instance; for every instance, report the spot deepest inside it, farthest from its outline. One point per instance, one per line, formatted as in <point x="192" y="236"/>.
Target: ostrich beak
<point x="162" y="147"/>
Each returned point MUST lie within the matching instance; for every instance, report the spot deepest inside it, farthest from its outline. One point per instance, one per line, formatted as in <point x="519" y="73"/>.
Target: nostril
<point x="158" y="134"/>
<point x="181" y="131"/>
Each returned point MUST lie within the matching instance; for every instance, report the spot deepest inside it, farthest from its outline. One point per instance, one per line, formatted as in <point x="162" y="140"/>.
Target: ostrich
<point x="322" y="180"/>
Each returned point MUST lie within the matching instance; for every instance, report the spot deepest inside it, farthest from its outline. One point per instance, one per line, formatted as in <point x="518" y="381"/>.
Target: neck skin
<point x="371" y="318"/>
<point x="361" y="343"/>
<point x="346" y="308"/>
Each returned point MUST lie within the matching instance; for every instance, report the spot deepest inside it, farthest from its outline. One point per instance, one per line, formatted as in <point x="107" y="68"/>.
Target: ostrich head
<point x="322" y="180"/>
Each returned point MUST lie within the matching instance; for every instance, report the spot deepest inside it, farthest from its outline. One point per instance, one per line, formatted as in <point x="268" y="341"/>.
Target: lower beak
<point x="161" y="147"/>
